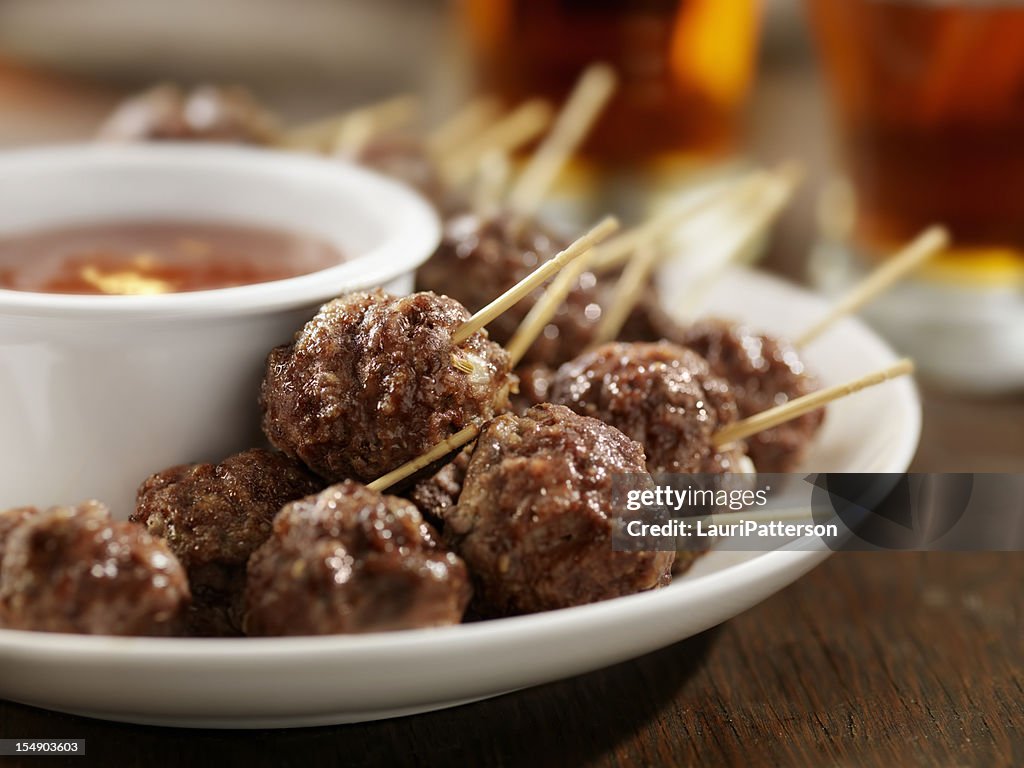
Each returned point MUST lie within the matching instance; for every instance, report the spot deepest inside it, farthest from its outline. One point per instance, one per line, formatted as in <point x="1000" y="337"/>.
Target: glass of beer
<point x="928" y="98"/>
<point x="684" y="69"/>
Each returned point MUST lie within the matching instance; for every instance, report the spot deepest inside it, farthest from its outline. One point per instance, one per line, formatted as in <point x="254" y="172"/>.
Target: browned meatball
<point x="353" y="560"/>
<point x="764" y="372"/>
<point x="206" y="113"/>
<point x="213" y="517"/>
<point x="374" y="380"/>
<point x="537" y="513"/>
<point x="659" y="394"/>
<point x="73" y="569"/>
<point x="436" y="495"/>
<point x="480" y="259"/>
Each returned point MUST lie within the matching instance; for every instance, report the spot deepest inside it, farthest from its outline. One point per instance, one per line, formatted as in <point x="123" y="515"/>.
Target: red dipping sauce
<point x="153" y="257"/>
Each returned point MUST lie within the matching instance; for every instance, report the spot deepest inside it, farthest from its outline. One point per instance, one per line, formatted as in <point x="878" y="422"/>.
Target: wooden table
<point x="872" y="659"/>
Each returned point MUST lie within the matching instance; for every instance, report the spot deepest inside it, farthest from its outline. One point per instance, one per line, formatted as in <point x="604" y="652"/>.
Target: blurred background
<point x="702" y="76"/>
<point x="901" y="113"/>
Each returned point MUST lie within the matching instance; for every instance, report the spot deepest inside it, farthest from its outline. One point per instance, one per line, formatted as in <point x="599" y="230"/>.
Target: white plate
<point x="268" y="682"/>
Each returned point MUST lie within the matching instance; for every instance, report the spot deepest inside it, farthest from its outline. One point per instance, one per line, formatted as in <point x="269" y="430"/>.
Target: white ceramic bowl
<point x="98" y="392"/>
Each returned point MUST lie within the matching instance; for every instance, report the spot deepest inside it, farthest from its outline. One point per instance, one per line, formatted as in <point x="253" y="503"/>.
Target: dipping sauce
<point x="152" y="257"/>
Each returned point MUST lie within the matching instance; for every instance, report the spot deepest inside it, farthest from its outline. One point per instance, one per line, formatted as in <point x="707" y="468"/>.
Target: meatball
<point x="480" y="259"/>
<point x="374" y="380"/>
<point x="649" y="322"/>
<point x="213" y="517"/>
<point x="436" y="495"/>
<point x="206" y="113"/>
<point x="764" y="372"/>
<point x="353" y="560"/>
<point x="73" y="569"/>
<point x="537" y="513"/>
<point x="9" y="520"/>
<point x="534" y="385"/>
<point x="659" y="394"/>
<point x="405" y="159"/>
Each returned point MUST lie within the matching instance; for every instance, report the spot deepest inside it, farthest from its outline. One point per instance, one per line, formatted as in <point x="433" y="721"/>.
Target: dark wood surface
<point x="871" y="660"/>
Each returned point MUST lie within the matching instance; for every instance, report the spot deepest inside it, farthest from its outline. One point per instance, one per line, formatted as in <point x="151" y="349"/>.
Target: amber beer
<point x="685" y="67"/>
<point x="929" y="97"/>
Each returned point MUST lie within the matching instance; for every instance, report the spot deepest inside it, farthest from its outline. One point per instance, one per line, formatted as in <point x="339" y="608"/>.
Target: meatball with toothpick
<point x="764" y="372"/>
<point x="375" y="380"/>
<point x="538" y="511"/>
<point x="662" y="395"/>
<point x="481" y="257"/>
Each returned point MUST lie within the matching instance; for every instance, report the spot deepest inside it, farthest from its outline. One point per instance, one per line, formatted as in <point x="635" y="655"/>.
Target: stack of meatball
<point x="258" y="545"/>
<point x="291" y="541"/>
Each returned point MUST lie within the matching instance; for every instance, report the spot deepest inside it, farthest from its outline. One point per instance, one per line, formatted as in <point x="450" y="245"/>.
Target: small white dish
<point x="289" y="682"/>
<point x="99" y="392"/>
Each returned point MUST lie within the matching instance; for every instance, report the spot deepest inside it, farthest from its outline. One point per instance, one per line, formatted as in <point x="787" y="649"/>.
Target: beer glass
<point x="928" y="102"/>
<point x="684" y="68"/>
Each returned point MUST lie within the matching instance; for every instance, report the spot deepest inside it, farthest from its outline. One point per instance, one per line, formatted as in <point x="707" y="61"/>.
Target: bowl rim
<point x="412" y="235"/>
